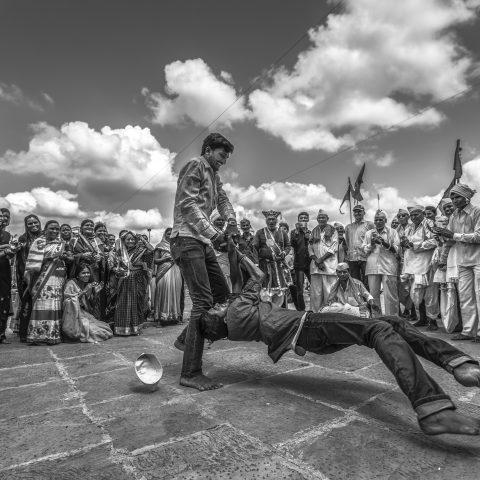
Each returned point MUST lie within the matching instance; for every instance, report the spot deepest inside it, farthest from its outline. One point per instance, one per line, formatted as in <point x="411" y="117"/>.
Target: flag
<point x="346" y="197"/>
<point x="457" y="161"/>
<point x="446" y="194"/>
<point x="356" y="194"/>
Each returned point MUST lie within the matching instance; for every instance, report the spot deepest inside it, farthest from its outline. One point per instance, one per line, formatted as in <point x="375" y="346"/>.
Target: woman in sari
<point x="78" y="322"/>
<point x="134" y="257"/>
<point x="168" y="291"/>
<point x="33" y="230"/>
<point x="45" y="273"/>
<point x="87" y="248"/>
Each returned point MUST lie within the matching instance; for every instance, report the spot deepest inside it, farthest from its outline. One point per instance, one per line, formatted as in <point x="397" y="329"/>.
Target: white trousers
<point x="469" y="293"/>
<point x="320" y="287"/>
<point x="390" y="292"/>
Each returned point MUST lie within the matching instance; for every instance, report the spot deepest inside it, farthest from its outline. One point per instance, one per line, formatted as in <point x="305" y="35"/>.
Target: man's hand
<point x="444" y="232"/>
<point x="219" y="241"/>
<point x="374" y="306"/>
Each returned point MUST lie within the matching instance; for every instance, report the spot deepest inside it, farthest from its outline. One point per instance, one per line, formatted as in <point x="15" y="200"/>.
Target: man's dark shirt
<point x="299" y="243"/>
<point x="245" y="245"/>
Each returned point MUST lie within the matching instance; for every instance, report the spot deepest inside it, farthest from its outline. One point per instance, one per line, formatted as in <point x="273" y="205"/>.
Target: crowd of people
<point x="82" y="283"/>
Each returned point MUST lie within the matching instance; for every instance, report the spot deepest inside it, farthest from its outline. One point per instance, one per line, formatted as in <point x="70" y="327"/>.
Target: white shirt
<point x="417" y="260"/>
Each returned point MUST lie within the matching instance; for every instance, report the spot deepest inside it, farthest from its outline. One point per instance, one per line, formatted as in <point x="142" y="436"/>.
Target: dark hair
<point x="216" y="140"/>
<point x="99" y="225"/>
<point x="284" y="224"/>
<point x="432" y="208"/>
<point x="82" y="266"/>
<point x="4" y="210"/>
<point x="85" y="221"/>
<point x="122" y="232"/>
<point x="65" y="225"/>
<point x="50" y="222"/>
<point x="303" y="213"/>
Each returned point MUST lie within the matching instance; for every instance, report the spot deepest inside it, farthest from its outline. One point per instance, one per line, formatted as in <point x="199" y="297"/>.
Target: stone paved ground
<point x="77" y="411"/>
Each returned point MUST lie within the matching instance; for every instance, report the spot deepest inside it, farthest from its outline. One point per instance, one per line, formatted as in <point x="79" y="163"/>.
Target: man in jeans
<point x="301" y="260"/>
<point x="354" y="237"/>
<point x="199" y="192"/>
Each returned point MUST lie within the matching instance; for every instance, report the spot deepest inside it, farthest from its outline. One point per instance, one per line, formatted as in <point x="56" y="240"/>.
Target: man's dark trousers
<point x="207" y="286"/>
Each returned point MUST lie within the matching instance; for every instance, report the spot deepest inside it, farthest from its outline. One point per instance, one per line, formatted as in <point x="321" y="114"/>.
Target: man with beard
<point x="199" y="192"/>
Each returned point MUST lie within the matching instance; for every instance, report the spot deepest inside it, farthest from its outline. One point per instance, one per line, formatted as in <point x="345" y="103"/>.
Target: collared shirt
<point x="354" y="290"/>
<point x="299" y="243"/>
<point x="380" y="260"/>
<point x="417" y="260"/>
<point x="465" y="225"/>
<point x="199" y="192"/>
<point x="320" y="248"/>
<point x="354" y="237"/>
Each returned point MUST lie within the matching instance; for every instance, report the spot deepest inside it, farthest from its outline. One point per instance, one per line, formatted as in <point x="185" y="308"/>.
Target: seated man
<point x="349" y="295"/>
<point x="248" y="317"/>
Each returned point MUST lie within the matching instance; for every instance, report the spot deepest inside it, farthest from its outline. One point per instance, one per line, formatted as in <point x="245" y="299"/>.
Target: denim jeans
<point x="207" y="286"/>
<point x="300" y="274"/>
<point x="397" y="343"/>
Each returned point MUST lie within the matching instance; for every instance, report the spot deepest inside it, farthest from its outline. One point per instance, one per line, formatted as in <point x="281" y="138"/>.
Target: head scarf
<point x="164" y="243"/>
<point x="463" y="190"/>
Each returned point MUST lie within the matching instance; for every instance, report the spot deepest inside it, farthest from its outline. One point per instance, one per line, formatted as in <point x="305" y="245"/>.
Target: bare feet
<point x="450" y="421"/>
<point x="200" y="382"/>
<point x="468" y="374"/>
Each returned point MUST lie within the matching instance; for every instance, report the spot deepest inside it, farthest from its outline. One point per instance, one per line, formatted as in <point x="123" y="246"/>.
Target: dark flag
<point x="356" y="194"/>
<point x="446" y="194"/>
<point x="457" y="162"/>
<point x="346" y="197"/>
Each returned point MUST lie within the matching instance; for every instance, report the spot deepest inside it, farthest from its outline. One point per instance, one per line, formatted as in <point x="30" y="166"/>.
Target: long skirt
<point x="130" y="307"/>
<point x="168" y="293"/>
<point x="44" y="327"/>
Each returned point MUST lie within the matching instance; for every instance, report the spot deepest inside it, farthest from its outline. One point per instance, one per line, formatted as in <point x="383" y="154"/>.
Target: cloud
<point x="194" y="92"/>
<point x="48" y="98"/>
<point x="370" y="67"/>
<point x="383" y="160"/>
<point x="118" y="161"/>
<point x="14" y="94"/>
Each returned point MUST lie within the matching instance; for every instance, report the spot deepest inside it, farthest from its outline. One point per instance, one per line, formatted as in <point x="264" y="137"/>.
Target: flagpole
<point x="378" y="201"/>
<point x="349" y="199"/>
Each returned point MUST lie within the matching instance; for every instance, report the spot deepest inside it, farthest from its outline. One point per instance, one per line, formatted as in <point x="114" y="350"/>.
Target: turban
<point x="446" y="201"/>
<point x="463" y="190"/>
<point x="359" y="207"/>
<point x="342" y="266"/>
<point x="416" y="208"/>
<point x="381" y="213"/>
<point x="402" y="211"/>
<point x="271" y="213"/>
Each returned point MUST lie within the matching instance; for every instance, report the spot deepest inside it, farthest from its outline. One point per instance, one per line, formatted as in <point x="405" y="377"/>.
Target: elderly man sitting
<point x="349" y="295"/>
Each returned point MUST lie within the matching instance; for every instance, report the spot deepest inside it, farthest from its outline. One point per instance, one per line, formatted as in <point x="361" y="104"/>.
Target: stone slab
<point x="24" y="439"/>
<point x="97" y="363"/>
<point x="219" y="453"/>
<point x="261" y="410"/>
<point x="16" y="376"/>
<point x="337" y="388"/>
<point x="35" y="399"/>
<point x="90" y="465"/>
<point x="369" y="451"/>
<point x="22" y="354"/>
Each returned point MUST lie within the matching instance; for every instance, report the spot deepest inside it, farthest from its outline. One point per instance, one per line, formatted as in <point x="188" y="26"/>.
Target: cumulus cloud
<point x="194" y="92"/>
<point x="117" y="161"/>
<point x="380" y="160"/>
<point x="14" y="94"/>
<point x="370" y="67"/>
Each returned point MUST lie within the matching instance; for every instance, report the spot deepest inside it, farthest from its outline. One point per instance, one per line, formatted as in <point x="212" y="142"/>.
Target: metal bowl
<point x="148" y="369"/>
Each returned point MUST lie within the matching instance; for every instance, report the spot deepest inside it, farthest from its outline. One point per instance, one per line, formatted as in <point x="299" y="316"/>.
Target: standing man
<point x="322" y="248"/>
<point x="381" y="246"/>
<point x="354" y="237"/>
<point x="409" y="311"/>
<point x="464" y="230"/>
<point x="342" y="245"/>
<point x="245" y="242"/>
<point x="301" y="260"/>
<point x="199" y="192"/>
<point x="273" y="245"/>
<point x="417" y="274"/>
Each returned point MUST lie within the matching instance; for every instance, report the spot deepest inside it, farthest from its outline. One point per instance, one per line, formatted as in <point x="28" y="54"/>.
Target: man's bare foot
<point x="449" y="421"/>
<point x="200" y="382"/>
<point x="468" y="374"/>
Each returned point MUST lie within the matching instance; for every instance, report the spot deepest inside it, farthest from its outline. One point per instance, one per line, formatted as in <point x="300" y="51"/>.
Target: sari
<point x="46" y="286"/>
<point x="168" y="290"/>
<point x="81" y="245"/>
<point x="78" y="322"/>
<point x="22" y="318"/>
<point x="5" y="284"/>
<point x="132" y="287"/>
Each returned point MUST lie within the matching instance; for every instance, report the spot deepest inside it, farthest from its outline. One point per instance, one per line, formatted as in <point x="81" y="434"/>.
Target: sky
<point x="101" y="103"/>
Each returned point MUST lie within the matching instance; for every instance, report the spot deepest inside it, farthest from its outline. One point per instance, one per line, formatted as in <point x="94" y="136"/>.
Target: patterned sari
<point x="168" y="289"/>
<point x="132" y="288"/>
<point x="46" y="286"/>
